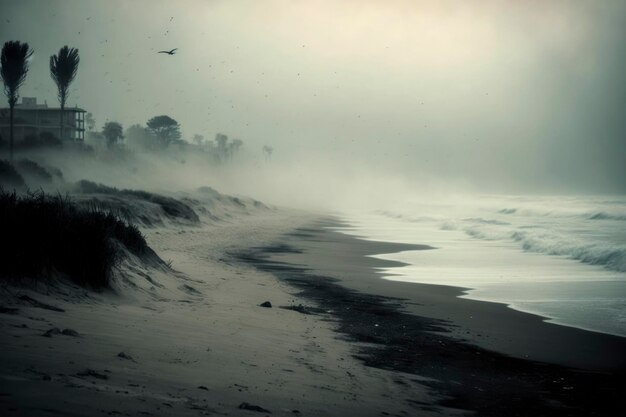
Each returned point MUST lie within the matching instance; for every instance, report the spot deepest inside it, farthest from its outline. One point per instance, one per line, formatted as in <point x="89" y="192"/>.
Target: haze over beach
<point x="316" y="208"/>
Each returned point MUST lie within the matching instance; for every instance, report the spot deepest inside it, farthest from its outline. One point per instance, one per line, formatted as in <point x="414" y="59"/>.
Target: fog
<point x="360" y="99"/>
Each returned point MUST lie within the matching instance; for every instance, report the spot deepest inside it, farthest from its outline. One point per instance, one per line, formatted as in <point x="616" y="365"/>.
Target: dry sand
<point x="195" y="342"/>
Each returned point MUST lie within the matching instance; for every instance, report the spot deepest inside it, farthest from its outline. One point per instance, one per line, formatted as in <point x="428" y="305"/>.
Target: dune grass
<point x="46" y="236"/>
<point x="32" y="169"/>
<point x="172" y="208"/>
<point x="9" y="176"/>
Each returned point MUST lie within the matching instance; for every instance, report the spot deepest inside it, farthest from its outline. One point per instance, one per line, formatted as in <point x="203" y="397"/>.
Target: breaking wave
<point x="584" y="229"/>
<point x="593" y="253"/>
<point x="606" y="216"/>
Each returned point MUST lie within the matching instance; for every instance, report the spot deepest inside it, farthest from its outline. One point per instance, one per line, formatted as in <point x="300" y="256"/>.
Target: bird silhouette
<point x="171" y="52"/>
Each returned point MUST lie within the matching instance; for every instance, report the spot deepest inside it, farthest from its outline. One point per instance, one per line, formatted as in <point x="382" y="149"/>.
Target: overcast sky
<point x="513" y="95"/>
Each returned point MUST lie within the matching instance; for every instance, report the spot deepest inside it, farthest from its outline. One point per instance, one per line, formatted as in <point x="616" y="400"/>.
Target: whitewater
<point x="563" y="258"/>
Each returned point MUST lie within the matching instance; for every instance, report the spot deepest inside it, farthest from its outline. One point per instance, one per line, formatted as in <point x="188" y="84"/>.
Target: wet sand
<point x="483" y="356"/>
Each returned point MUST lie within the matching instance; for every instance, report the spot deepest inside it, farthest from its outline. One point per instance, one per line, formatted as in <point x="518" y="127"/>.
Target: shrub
<point x="34" y="170"/>
<point x="9" y="177"/>
<point x="42" y="140"/>
<point x="43" y="236"/>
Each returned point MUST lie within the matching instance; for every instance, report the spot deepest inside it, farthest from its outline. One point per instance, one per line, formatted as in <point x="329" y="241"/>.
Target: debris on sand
<point x="65" y="332"/>
<point x="266" y="304"/>
<point x="92" y="373"/>
<point x="70" y="332"/>
<point x="251" y="407"/>
<point x="52" y="332"/>
<point x="303" y="309"/>
<point x="126" y="356"/>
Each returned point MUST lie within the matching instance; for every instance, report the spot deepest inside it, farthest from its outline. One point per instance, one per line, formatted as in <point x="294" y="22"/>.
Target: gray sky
<point x="499" y="95"/>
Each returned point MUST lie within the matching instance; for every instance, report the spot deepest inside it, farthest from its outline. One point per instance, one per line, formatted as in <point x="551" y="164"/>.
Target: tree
<point x="222" y="146"/>
<point x="198" y="139"/>
<point x="63" y="68"/>
<point x="14" y="67"/>
<point x="234" y="147"/>
<point x="165" y="129"/>
<point x="112" y="131"/>
<point x="91" y="122"/>
<point x="139" y="137"/>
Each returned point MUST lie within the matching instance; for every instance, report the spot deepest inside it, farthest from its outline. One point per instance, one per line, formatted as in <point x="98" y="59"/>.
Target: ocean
<point x="563" y="258"/>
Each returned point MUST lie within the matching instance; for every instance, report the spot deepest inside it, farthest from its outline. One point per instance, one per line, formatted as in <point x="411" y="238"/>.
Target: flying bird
<point x="171" y="52"/>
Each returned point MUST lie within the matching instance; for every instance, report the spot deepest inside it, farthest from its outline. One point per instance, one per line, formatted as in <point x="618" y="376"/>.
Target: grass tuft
<point x="43" y="236"/>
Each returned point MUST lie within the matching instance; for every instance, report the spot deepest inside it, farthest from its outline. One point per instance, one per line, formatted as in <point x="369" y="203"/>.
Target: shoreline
<point x="523" y="362"/>
<point x="545" y="318"/>
<point x="196" y="341"/>
<point x="191" y="343"/>
<point x="503" y="258"/>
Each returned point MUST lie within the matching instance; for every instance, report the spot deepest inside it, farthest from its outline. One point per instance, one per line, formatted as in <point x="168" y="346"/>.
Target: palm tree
<point x="14" y="62"/>
<point x="63" y="68"/>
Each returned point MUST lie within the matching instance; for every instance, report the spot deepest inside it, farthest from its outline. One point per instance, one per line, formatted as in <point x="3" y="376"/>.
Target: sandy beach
<point x="337" y="340"/>
<point x="190" y="342"/>
<point x="312" y="208"/>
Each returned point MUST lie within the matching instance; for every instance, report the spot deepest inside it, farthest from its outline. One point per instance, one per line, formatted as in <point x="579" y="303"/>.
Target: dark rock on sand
<point x="52" y="332"/>
<point x="266" y="304"/>
<point x="303" y="309"/>
<point x="70" y="332"/>
<point x="251" y="407"/>
<point x="126" y="356"/>
<point x="65" y="332"/>
<point x="203" y="387"/>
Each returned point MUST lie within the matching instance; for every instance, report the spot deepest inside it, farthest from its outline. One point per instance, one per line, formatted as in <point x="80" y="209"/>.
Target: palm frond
<point x="14" y="67"/>
<point x="63" y="69"/>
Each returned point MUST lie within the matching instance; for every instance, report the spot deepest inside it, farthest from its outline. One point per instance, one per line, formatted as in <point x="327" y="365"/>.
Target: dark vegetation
<point x="13" y="69"/>
<point x="42" y="140"/>
<point x="43" y="237"/>
<point x="208" y="191"/>
<point x="172" y="208"/>
<point x="160" y="132"/>
<point x="9" y="176"/>
<point x="165" y="129"/>
<point x="113" y="133"/>
<point x="32" y="169"/>
<point x="63" y="69"/>
<point x="27" y="172"/>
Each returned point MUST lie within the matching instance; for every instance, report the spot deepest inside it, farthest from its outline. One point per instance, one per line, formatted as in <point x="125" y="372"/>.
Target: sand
<point x="483" y="357"/>
<point x="195" y="342"/>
